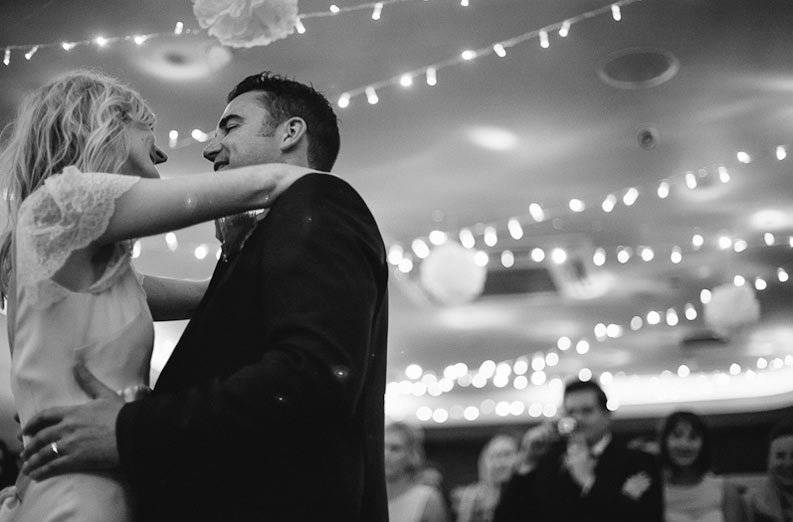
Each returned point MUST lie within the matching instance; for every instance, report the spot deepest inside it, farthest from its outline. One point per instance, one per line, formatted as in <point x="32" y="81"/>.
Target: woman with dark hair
<point x="408" y="499"/>
<point x="773" y="501"/>
<point x="691" y="492"/>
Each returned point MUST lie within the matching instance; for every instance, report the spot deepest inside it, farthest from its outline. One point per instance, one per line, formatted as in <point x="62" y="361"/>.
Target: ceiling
<point x="494" y="135"/>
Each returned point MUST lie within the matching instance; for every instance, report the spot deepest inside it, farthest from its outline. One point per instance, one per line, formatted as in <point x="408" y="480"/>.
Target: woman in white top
<point x="79" y="178"/>
<point x="691" y="492"/>
<point x="409" y="500"/>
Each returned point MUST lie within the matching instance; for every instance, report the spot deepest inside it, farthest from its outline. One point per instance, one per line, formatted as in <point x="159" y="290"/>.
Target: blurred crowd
<point x="576" y="469"/>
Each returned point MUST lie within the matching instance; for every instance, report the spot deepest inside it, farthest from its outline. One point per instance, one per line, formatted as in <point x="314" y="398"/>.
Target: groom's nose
<point x="212" y="149"/>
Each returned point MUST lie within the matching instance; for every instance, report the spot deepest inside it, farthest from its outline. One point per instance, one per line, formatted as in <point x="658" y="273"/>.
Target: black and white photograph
<point x="397" y="260"/>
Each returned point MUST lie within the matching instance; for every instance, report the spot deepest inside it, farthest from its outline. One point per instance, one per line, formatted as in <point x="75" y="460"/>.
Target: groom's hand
<point x="74" y="439"/>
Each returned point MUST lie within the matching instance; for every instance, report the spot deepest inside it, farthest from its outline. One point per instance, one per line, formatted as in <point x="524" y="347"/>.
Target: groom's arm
<point x="323" y="279"/>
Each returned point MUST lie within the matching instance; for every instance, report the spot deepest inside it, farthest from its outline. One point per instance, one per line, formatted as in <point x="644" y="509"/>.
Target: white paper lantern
<point x="731" y="307"/>
<point x="451" y="275"/>
<point x="247" y="23"/>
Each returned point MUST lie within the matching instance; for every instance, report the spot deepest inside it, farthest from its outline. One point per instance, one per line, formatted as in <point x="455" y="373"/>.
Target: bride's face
<point x="143" y="153"/>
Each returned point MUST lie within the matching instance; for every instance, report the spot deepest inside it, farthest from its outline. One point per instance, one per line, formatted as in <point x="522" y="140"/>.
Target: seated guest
<point x="535" y="444"/>
<point x="589" y="475"/>
<point x="408" y="499"/>
<point x="477" y="502"/>
<point x="691" y="492"/>
<point x="773" y="502"/>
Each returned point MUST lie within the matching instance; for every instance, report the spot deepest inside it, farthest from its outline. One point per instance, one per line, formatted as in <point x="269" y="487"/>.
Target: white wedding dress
<point x="108" y="324"/>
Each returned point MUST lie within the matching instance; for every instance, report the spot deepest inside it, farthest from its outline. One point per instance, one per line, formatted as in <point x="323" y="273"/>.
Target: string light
<point x="371" y="96"/>
<point x="438" y="237"/>
<point x="173" y="138"/>
<point x="377" y="11"/>
<point x="558" y="256"/>
<point x="491" y="237"/>
<point x="432" y="76"/>
<point x="536" y="212"/>
<point x="406" y="80"/>
<point x="769" y="238"/>
<point x="420" y="248"/>
<point x="691" y="180"/>
<point x="609" y="203"/>
<point x="199" y="135"/>
<point x="7" y="57"/>
<point x="743" y="157"/>
<point x="616" y="13"/>
<point x="543" y="36"/>
<point x="724" y="176"/>
<point x="493" y="48"/>
<point x="178" y="28"/>
<point x="299" y="27"/>
<point x="537" y="255"/>
<point x="467" y="238"/>
<point x="139" y="39"/>
<point x="68" y="46"/>
<point x="599" y="257"/>
<point x="101" y="41"/>
<point x="515" y="229"/>
<point x="344" y="101"/>
<point x="334" y="9"/>
<point x="677" y="255"/>
<point x="31" y="52"/>
<point x="663" y="189"/>
<point x="781" y="153"/>
<point x="576" y="205"/>
<point x="630" y="196"/>
<point x="464" y="3"/>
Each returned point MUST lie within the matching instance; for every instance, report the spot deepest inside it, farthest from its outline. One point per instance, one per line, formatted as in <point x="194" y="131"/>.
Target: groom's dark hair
<point x="284" y="98"/>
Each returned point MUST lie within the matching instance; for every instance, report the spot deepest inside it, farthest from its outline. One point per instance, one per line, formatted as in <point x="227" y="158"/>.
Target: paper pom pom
<point x="247" y="23"/>
<point x="450" y="274"/>
<point x="731" y="307"/>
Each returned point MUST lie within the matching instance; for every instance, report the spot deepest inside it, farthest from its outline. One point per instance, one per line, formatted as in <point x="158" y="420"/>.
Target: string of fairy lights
<point x="428" y="72"/>
<point x="766" y="376"/>
<point x="28" y="50"/>
<point x="498" y="374"/>
<point x="484" y="236"/>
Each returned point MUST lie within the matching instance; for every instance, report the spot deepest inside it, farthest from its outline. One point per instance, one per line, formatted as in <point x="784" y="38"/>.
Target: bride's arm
<point x="173" y="299"/>
<point x="153" y="206"/>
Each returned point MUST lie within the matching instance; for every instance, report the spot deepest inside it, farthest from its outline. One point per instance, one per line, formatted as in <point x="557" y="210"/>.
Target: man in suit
<point x="271" y="405"/>
<point x="588" y="476"/>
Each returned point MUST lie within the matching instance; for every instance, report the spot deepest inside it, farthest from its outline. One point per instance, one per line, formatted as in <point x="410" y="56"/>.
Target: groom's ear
<point x="293" y="131"/>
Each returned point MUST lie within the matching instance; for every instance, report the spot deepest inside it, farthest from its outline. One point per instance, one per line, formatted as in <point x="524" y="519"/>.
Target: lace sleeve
<point x="70" y="211"/>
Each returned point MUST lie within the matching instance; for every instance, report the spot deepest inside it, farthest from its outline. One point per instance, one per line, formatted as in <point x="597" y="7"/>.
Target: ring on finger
<point x="54" y="448"/>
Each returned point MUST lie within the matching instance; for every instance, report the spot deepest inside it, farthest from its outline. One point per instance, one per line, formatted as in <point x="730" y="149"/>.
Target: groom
<point x="271" y="406"/>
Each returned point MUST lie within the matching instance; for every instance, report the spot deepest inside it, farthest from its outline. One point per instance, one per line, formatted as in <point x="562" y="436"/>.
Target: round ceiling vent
<point x="638" y="68"/>
<point x="182" y="59"/>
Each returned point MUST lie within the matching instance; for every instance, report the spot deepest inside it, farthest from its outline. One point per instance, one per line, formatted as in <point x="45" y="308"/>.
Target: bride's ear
<point x="294" y="130"/>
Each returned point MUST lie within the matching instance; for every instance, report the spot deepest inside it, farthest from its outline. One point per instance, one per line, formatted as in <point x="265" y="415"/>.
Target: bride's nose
<point x="158" y="156"/>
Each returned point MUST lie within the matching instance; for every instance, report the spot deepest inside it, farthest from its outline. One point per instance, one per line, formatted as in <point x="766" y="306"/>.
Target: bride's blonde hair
<point x="79" y="119"/>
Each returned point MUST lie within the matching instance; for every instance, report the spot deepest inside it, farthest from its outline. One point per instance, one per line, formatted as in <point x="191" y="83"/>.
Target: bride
<point x="79" y="177"/>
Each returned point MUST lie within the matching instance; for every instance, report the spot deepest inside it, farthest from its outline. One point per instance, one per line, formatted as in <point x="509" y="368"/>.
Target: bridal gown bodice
<point x="107" y="325"/>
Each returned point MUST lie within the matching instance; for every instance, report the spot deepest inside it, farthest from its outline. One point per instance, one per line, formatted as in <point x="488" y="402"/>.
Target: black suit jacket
<point x="271" y="406"/>
<point x="549" y="494"/>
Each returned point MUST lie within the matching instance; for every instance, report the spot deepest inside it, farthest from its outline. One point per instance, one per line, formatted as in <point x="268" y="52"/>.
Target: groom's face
<point x="244" y="135"/>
